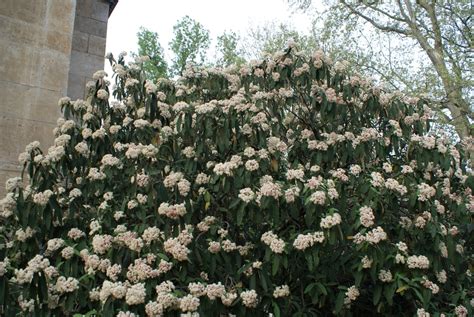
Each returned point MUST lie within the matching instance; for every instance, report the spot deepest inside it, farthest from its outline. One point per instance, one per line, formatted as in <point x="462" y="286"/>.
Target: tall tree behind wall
<point x="189" y="45"/>
<point x="149" y="45"/>
<point x="386" y="37"/>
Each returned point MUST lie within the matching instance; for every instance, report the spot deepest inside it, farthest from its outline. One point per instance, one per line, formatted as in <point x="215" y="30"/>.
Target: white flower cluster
<point x="136" y="294"/>
<point x="177" y="179"/>
<point x="330" y="221"/>
<point x="110" y="160"/>
<point x="418" y="262"/>
<point x="66" y="285"/>
<point x="117" y="290"/>
<point x="42" y="198"/>
<point x="270" y="189"/>
<point x="425" y="192"/>
<point x="433" y="287"/>
<point x="385" y="276"/>
<point x="177" y="246"/>
<point x="249" y="298"/>
<point x="172" y="211"/>
<point x="373" y="237"/>
<point x="270" y="239"/>
<point x="205" y="225"/>
<point x="318" y="198"/>
<point x="281" y="291"/>
<point x="351" y="295"/>
<point x="304" y="241"/>
<point x="394" y="185"/>
<point x="102" y="243"/>
<point x="366" y="216"/>
<point x="54" y="245"/>
<point x="246" y="195"/>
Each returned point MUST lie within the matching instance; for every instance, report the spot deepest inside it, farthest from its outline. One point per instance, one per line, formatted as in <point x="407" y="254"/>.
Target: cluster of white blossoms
<point x="425" y="192"/>
<point x="351" y="295"/>
<point x="318" y="198"/>
<point x="177" y="246"/>
<point x="366" y="216"/>
<point x="36" y="264"/>
<point x="271" y="189"/>
<point x="373" y="237"/>
<point x="246" y="194"/>
<point x="393" y="184"/>
<point x="110" y="160"/>
<point x="102" y="243"/>
<point x="281" y="291"/>
<point x="418" y="262"/>
<point x="330" y="221"/>
<point x="66" y="285"/>
<point x="385" y="276"/>
<point x="177" y="179"/>
<point x="172" y="211"/>
<point x="42" y="198"/>
<point x="136" y="294"/>
<point x="276" y="244"/>
<point x="54" y="245"/>
<point x="433" y="287"/>
<point x="227" y="168"/>
<point x="304" y="241"/>
<point x="249" y="298"/>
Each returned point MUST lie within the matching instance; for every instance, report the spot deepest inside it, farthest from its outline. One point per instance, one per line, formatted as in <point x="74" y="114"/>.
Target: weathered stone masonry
<point x="48" y="49"/>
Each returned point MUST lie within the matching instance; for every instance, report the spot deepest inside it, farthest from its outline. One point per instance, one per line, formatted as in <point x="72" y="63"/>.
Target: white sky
<point x="215" y="15"/>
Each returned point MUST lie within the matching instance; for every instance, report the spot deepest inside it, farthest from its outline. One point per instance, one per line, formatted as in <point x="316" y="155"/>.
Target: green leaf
<point x="276" y="310"/>
<point x="275" y="265"/>
<point x="240" y="214"/>
<point x="339" y="302"/>
<point x="377" y="294"/>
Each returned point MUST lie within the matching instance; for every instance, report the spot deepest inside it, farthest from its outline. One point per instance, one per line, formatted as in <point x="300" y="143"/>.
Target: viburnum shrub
<point x="286" y="187"/>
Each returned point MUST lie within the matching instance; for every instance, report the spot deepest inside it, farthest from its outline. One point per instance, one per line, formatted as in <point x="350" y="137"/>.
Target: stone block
<point x="80" y="41"/>
<point x="61" y="14"/>
<point x="90" y="26"/>
<point x="25" y="10"/>
<point x="45" y="107"/>
<point x="17" y="133"/>
<point x="76" y="86"/>
<point x="97" y="46"/>
<point x="85" y="64"/>
<point x="19" y="63"/>
<point x="100" y="10"/>
<point x="54" y="70"/>
<point x="84" y="7"/>
<point x="16" y="99"/>
<point x="18" y="31"/>
<point x="59" y="41"/>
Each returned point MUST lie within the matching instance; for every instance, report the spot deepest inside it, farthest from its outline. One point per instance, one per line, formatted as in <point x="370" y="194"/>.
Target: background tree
<point x="228" y="49"/>
<point x="189" y="45"/>
<point x="437" y="35"/>
<point x="149" y="45"/>
<point x="273" y="37"/>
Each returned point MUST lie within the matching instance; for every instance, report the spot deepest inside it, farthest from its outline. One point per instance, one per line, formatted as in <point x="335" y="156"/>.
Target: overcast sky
<point x="215" y="15"/>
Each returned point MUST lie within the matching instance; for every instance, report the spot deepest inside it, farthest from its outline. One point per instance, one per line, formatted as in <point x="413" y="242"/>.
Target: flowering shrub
<point x="285" y="187"/>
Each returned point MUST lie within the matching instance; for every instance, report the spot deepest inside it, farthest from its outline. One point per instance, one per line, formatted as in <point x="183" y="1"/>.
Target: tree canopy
<point x="149" y="45"/>
<point x="415" y="46"/>
<point x="189" y="44"/>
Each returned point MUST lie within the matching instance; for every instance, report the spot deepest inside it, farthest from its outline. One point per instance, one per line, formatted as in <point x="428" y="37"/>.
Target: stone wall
<point x="48" y="49"/>
<point x="35" y="47"/>
<point x="88" y="44"/>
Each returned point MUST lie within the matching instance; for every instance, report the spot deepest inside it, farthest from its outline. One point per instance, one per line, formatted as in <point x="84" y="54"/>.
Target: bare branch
<point x="388" y="28"/>
<point x="434" y="23"/>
